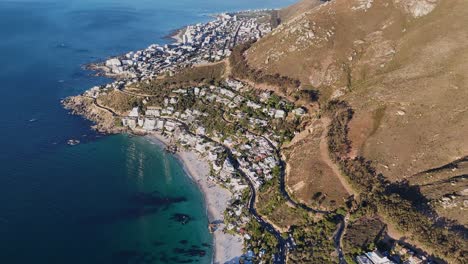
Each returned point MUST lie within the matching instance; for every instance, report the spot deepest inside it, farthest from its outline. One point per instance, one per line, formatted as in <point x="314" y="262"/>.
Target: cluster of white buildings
<point x="217" y="37"/>
<point x="230" y="156"/>
<point x="254" y="153"/>
<point x="200" y="43"/>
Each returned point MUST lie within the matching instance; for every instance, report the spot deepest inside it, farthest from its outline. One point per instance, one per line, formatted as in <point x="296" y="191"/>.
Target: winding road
<point x="283" y="244"/>
<point x="280" y="256"/>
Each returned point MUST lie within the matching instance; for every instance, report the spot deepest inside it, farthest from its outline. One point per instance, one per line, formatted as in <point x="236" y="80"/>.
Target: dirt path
<point x="104" y="108"/>
<point x="326" y="158"/>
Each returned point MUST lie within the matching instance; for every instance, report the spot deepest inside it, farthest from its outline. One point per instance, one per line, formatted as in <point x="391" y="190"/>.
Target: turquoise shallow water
<point x="111" y="198"/>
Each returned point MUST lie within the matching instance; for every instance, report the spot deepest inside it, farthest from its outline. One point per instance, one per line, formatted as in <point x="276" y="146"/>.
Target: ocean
<point x="110" y="199"/>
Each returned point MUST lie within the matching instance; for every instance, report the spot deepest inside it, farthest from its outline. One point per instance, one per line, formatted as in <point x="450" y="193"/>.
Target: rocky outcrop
<point x="418" y="8"/>
<point x="103" y="120"/>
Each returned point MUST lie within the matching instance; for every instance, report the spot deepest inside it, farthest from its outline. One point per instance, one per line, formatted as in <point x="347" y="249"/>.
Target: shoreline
<point x="176" y="35"/>
<point x="226" y="247"/>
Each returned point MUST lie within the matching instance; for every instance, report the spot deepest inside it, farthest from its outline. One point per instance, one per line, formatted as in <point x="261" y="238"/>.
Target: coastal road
<point x="283" y="244"/>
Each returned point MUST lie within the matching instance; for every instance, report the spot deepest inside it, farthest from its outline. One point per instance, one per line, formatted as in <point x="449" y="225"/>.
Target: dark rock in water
<point x="154" y="199"/>
<point x="73" y="142"/>
<point x="181" y="218"/>
<point x="206" y="245"/>
<point x="183" y="242"/>
<point x="190" y="252"/>
<point x="142" y="204"/>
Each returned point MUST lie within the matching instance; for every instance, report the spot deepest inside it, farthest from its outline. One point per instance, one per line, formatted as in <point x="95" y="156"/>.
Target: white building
<point x="134" y="112"/>
<point x="160" y="125"/>
<point x="153" y="111"/>
<point x="149" y="124"/>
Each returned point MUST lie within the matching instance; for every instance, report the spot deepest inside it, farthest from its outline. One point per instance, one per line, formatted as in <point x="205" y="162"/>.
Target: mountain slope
<point x="402" y="66"/>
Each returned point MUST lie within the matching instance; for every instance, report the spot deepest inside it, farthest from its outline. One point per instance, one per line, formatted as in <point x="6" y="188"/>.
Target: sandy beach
<point x="227" y="248"/>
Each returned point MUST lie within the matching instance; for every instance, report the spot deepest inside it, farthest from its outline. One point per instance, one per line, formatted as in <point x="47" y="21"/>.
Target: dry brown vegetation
<point x="400" y="204"/>
<point x="398" y="63"/>
<point x="119" y="102"/>
<point x="197" y="75"/>
<point x="309" y="178"/>
<point x="403" y="76"/>
<point x="241" y="70"/>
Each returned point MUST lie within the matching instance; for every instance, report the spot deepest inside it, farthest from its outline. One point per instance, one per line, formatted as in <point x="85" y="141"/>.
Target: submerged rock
<point x="181" y="218"/>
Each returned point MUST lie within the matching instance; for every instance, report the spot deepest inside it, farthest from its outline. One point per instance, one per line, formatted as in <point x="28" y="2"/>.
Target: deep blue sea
<point x="110" y="199"/>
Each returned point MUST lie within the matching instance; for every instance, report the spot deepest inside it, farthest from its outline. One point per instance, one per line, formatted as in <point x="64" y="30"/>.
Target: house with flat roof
<point x="374" y="257"/>
<point x="363" y="260"/>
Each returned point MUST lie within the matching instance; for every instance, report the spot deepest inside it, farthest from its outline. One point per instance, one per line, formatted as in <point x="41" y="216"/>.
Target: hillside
<point x="402" y="67"/>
